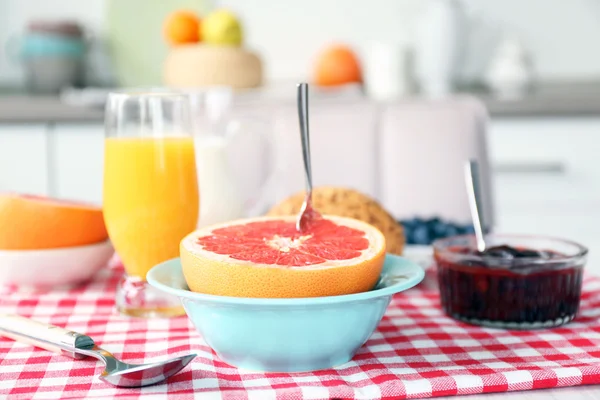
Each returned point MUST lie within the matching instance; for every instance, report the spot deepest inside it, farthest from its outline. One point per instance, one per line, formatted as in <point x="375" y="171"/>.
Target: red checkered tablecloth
<point x="416" y="352"/>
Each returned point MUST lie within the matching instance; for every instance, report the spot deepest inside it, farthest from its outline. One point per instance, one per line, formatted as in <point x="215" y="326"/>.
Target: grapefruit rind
<point x="219" y="274"/>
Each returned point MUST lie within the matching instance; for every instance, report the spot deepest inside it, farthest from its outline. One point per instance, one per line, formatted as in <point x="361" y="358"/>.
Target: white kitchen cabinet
<point x="546" y="166"/>
<point x="24" y="159"/>
<point x="547" y="178"/>
<point x="77" y="161"/>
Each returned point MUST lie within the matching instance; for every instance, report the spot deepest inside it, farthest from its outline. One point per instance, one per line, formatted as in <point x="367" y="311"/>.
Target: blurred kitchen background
<point x="524" y="76"/>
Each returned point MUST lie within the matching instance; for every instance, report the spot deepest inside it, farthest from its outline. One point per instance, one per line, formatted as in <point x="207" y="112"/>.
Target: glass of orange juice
<point x="150" y="195"/>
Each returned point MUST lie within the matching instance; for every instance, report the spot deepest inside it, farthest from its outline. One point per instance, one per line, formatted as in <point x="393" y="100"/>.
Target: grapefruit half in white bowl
<point x="47" y="268"/>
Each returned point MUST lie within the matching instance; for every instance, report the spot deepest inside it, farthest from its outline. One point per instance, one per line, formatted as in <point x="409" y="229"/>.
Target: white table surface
<point x="422" y="254"/>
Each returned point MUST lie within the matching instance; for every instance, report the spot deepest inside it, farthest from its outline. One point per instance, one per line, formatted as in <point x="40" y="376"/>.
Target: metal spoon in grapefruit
<point x="267" y="257"/>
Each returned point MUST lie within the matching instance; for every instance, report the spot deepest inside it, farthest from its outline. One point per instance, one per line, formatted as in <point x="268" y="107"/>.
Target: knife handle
<point x="39" y="334"/>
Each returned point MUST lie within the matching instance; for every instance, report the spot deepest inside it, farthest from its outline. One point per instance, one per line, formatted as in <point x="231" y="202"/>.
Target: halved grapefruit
<point x="33" y="222"/>
<point x="267" y="257"/>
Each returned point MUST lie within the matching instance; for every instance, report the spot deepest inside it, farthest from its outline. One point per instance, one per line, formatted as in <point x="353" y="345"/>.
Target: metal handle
<point x="49" y="337"/>
<point x="554" y="168"/>
<point x="303" y="117"/>
<point x="474" y="193"/>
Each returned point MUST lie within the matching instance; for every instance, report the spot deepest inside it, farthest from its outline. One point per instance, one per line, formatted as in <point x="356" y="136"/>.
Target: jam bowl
<point x="518" y="282"/>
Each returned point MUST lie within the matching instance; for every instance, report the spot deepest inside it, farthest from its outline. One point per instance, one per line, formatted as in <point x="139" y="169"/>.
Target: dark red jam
<point x="508" y="287"/>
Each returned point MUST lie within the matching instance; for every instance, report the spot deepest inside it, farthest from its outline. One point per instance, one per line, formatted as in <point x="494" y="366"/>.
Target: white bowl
<point x="53" y="267"/>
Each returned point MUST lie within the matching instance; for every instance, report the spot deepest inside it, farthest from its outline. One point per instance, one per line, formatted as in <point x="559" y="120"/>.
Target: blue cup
<point x="33" y="45"/>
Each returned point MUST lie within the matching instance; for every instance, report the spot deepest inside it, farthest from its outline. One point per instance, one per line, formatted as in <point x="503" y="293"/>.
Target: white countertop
<point x="556" y="99"/>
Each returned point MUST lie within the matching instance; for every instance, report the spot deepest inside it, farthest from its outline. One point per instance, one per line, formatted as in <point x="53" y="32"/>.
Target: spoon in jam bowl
<point x="76" y="345"/>
<point x="474" y="193"/>
<point x="307" y="212"/>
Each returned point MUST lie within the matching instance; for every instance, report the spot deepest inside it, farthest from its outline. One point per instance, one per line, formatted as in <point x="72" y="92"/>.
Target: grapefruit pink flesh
<point x="278" y="242"/>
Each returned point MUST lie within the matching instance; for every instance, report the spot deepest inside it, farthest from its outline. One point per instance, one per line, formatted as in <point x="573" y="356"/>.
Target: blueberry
<point x="408" y="231"/>
<point x="528" y="253"/>
<point x="417" y="221"/>
<point x="468" y="230"/>
<point x="439" y="230"/>
<point x="408" y="228"/>
<point x="451" y="230"/>
<point x="408" y="235"/>
<point x="421" y="235"/>
<point x="433" y="221"/>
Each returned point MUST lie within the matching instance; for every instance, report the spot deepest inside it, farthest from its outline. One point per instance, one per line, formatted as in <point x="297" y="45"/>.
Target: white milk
<point x="219" y="197"/>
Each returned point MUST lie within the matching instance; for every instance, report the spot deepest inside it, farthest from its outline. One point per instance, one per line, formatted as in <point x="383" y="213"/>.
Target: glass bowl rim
<point x="440" y="246"/>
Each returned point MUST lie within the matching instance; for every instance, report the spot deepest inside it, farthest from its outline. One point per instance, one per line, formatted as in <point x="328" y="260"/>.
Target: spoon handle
<point x="303" y="117"/>
<point x="474" y="193"/>
<point x="48" y="337"/>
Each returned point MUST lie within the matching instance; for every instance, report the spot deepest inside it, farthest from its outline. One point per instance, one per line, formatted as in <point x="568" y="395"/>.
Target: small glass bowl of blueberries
<point x="517" y="282"/>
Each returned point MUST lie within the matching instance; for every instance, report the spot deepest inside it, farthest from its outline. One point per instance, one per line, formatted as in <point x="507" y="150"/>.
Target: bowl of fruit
<point x="517" y="281"/>
<point x="265" y="296"/>
<point x="48" y="243"/>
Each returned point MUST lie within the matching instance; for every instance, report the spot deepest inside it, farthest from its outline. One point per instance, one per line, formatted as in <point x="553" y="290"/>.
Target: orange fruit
<point x="33" y="222"/>
<point x="337" y="65"/>
<point x="267" y="257"/>
<point x="182" y="27"/>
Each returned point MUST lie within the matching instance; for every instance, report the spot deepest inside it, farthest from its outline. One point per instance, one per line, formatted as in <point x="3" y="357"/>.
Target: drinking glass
<point x="150" y="196"/>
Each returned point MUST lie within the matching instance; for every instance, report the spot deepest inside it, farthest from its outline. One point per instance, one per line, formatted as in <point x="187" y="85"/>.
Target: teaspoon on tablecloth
<point x="77" y="345"/>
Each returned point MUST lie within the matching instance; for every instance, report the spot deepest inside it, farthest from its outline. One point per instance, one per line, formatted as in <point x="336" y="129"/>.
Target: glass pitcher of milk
<point x="233" y="159"/>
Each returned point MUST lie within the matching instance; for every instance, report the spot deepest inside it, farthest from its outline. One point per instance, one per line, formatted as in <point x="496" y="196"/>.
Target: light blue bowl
<point x="287" y="335"/>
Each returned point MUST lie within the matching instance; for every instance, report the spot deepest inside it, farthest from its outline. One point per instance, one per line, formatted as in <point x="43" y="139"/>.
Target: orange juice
<point x="150" y="198"/>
